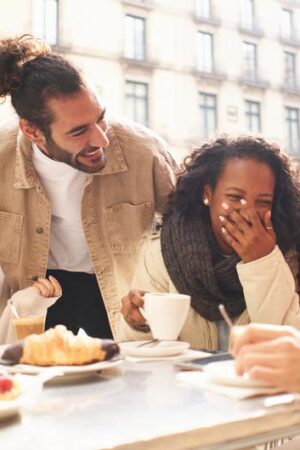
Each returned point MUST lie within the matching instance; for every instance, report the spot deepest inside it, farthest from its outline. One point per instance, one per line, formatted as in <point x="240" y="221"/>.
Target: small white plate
<point x="66" y="370"/>
<point x="223" y="372"/>
<point x="9" y="408"/>
<point x="158" y="349"/>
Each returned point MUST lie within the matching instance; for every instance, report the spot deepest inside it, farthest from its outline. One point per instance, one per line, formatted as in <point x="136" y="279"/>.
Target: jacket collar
<point x="115" y="158"/>
<point x="26" y="176"/>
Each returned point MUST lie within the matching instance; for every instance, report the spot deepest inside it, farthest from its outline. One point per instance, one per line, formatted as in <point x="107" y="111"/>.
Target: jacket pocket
<point x="10" y="237"/>
<point x="127" y="224"/>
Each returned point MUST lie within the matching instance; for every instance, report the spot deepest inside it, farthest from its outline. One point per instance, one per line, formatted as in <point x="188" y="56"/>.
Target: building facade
<point x="188" y="69"/>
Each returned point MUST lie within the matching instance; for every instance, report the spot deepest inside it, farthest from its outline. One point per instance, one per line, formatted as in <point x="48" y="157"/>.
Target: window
<point x="137" y="101"/>
<point x="203" y="8"/>
<point x="290" y="69"/>
<point x="208" y="110"/>
<point x="45" y="20"/>
<point x="247" y="15"/>
<point x="286" y="23"/>
<point x="250" y="61"/>
<point x="252" y="112"/>
<point x="292" y="118"/>
<point x="135" y="37"/>
<point x="205" y="52"/>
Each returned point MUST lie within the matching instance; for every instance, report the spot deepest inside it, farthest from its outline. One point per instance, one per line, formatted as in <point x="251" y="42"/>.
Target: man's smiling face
<point x="77" y="134"/>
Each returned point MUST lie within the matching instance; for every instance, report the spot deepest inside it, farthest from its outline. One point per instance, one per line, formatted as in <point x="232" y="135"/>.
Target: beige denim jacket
<point x="118" y="206"/>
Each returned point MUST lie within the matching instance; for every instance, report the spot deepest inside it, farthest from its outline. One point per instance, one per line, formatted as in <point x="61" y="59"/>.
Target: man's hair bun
<point x="14" y="54"/>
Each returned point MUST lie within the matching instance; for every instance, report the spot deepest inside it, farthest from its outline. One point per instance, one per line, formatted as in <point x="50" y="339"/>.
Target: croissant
<point x="60" y="347"/>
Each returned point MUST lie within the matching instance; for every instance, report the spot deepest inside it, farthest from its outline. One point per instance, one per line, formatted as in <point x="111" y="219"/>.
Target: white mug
<point x="166" y="313"/>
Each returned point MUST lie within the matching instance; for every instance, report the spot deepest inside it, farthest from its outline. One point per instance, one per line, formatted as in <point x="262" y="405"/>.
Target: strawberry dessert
<point x="9" y="388"/>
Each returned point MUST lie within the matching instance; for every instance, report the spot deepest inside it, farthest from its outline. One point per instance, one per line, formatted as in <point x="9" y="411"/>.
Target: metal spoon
<point x="148" y="343"/>
<point x="225" y="315"/>
<point x="14" y="310"/>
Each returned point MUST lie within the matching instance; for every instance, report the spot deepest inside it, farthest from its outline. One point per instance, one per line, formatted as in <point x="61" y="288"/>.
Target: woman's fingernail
<point x="243" y="201"/>
<point x="222" y="218"/>
<point x="223" y="230"/>
<point x="225" y="206"/>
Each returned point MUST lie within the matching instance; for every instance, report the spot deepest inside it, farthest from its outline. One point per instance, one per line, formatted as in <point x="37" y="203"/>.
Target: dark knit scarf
<point x="197" y="268"/>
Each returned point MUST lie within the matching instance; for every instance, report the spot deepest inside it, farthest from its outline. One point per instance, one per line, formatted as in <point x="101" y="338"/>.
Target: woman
<point x="229" y="236"/>
<point x="269" y="353"/>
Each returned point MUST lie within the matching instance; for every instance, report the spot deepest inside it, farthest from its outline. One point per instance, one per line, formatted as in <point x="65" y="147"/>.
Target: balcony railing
<point x="213" y="74"/>
<point x="291" y="88"/>
<point x="251" y="29"/>
<point x="253" y="79"/>
<point x="290" y="3"/>
<point x="293" y="149"/>
<point x="290" y="40"/>
<point x="145" y="4"/>
<point x="210" y="20"/>
<point x="142" y="63"/>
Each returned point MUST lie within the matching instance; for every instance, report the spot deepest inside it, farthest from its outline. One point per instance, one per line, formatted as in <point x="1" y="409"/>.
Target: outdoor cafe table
<point x="143" y="406"/>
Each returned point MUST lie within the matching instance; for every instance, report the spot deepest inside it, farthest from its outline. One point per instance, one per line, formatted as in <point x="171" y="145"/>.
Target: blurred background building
<point x="188" y="69"/>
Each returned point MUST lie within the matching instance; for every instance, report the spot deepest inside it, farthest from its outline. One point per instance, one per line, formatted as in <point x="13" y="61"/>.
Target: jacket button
<point x="39" y="230"/>
<point x="35" y="278"/>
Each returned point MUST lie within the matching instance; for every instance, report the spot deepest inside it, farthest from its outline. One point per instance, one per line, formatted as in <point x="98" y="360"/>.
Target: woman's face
<point x="241" y="179"/>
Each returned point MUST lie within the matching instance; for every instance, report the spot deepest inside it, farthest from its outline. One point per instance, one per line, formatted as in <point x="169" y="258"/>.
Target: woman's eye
<point x="234" y="197"/>
<point x="265" y="203"/>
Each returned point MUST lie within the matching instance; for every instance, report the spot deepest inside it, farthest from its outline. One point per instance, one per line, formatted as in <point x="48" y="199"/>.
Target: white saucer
<point x="223" y="372"/>
<point x="66" y="371"/>
<point x="9" y="408"/>
<point x="157" y="349"/>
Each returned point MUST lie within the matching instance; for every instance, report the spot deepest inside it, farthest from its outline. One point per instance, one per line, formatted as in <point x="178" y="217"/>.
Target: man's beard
<point x="88" y="163"/>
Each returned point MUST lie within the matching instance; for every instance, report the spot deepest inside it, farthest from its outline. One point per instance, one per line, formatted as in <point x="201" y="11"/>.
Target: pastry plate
<point x="9" y="408"/>
<point x="223" y="372"/>
<point x="156" y="349"/>
<point x="69" y="371"/>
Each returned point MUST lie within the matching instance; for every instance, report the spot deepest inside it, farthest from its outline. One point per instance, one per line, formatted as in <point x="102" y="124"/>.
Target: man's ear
<point x="32" y="132"/>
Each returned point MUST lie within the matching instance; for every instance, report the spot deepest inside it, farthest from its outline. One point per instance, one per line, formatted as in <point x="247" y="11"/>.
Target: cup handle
<point x="142" y="311"/>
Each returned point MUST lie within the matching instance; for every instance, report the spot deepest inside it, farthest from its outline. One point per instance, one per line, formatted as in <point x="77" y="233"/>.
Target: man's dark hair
<point x="206" y="164"/>
<point x="31" y="75"/>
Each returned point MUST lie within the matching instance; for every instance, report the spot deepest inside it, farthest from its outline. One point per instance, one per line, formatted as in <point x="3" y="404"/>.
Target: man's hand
<point x="269" y="353"/>
<point x="249" y="236"/>
<point x="47" y="288"/>
<point x="130" y="308"/>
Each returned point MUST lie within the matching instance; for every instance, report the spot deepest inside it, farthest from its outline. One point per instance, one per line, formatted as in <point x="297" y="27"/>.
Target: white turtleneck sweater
<point x="64" y="186"/>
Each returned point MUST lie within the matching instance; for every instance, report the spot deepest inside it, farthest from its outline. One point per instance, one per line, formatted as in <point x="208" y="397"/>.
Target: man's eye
<point x="79" y="133"/>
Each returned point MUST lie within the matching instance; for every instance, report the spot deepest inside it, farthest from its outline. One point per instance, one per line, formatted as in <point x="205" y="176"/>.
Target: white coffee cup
<point x="165" y="313"/>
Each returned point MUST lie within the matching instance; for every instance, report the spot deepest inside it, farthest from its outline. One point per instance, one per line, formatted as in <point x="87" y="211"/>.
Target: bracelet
<point x="142" y="328"/>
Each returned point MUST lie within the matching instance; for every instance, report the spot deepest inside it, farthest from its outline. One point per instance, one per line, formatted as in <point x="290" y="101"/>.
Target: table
<point x="143" y="406"/>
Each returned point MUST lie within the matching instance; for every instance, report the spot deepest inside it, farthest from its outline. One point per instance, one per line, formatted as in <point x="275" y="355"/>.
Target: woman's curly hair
<point x="205" y="165"/>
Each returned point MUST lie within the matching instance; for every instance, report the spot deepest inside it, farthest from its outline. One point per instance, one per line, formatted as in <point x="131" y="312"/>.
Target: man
<point x="77" y="193"/>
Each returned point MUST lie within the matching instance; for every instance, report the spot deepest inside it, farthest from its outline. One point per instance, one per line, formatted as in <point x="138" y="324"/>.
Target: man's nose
<point x="98" y="137"/>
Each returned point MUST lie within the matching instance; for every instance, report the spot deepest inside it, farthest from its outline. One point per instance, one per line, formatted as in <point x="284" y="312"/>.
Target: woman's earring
<point x="206" y="202"/>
